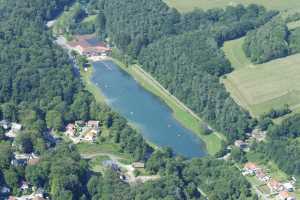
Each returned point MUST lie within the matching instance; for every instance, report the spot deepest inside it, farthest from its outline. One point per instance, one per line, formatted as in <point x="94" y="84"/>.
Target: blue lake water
<point x="147" y="112"/>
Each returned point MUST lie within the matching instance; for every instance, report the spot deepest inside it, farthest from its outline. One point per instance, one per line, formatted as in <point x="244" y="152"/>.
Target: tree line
<point x="182" y="51"/>
<point x="270" y="41"/>
<point x="283" y="145"/>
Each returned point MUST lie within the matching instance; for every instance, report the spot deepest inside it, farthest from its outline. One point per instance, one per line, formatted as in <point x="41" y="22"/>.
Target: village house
<point x="258" y="135"/>
<point x="70" y="130"/>
<point x="250" y="167"/>
<point x="93" y="124"/>
<point x="15" y="128"/>
<point x="82" y="45"/>
<point x="284" y="195"/>
<point x="81" y="131"/>
<point x="24" y="186"/>
<point x="275" y="186"/>
<point x="289" y="186"/>
<point x="262" y="176"/>
<point x="24" y="159"/>
<point x="240" y="144"/>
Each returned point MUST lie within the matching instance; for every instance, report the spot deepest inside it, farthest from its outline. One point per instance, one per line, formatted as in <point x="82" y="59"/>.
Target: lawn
<point x="105" y="149"/>
<point x="180" y="111"/>
<point x="258" y="88"/>
<point x="189" y="5"/>
<point x="92" y="88"/>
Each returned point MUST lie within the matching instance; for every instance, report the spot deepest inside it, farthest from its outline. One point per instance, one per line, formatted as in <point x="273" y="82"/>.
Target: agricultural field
<point x="189" y="5"/>
<point x="258" y="88"/>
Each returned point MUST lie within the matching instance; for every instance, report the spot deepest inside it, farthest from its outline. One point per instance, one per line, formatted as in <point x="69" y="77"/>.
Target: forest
<point x="39" y="89"/>
<point x="283" y="146"/>
<point x="182" y="51"/>
<point x="270" y="41"/>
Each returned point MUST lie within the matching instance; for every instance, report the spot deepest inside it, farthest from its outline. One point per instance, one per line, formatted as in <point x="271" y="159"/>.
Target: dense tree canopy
<point x="283" y="146"/>
<point x="188" y="65"/>
<point x="268" y="42"/>
<point x="182" y="51"/>
<point x="271" y="41"/>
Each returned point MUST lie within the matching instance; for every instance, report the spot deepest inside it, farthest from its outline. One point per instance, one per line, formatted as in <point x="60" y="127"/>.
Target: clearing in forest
<point x="189" y="5"/>
<point x="258" y="88"/>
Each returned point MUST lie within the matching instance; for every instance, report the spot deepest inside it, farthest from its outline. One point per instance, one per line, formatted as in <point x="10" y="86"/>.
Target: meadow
<point x="258" y="88"/>
<point x="189" y="5"/>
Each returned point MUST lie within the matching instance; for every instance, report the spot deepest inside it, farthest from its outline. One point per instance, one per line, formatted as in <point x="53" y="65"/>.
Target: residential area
<point x="20" y="159"/>
<point x="81" y="131"/>
<point x="269" y="187"/>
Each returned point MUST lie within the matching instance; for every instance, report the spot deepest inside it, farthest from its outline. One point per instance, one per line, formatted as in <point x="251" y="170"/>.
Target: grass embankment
<point x="258" y="88"/>
<point x="185" y="116"/>
<point x="189" y="5"/>
<point x="91" y="87"/>
<point x="97" y="153"/>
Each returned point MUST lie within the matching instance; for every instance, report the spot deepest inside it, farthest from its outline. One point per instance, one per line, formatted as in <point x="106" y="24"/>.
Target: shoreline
<point x="184" y="115"/>
<point x="188" y="120"/>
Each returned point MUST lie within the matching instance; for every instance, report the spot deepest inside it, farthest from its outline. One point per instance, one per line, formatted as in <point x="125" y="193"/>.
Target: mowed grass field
<point x="189" y="5"/>
<point x="258" y="88"/>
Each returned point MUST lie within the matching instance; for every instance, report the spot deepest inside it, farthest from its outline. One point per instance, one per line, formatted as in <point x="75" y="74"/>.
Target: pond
<point x="152" y="117"/>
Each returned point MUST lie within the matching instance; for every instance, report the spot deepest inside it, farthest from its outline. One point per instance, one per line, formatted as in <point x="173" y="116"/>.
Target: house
<point x="284" y="195"/>
<point x="93" y="124"/>
<point x="24" y="186"/>
<point x="262" y="176"/>
<point x="259" y="135"/>
<point x="289" y="186"/>
<point x="275" y="186"/>
<point x="23" y="159"/>
<point x="139" y="165"/>
<point x="250" y="166"/>
<point x="90" y="136"/>
<point x="249" y="169"/>
<point x="70" y="130"/>
<point x="18" y="162"/>
<point x="240" y="144"/>
<point x="79" y="124"/>
<point x="5" y="124"/>
<point x="16" y="127"/>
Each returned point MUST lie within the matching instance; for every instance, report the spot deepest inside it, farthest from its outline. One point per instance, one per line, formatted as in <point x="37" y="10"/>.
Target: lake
<point x="146" y="112"/>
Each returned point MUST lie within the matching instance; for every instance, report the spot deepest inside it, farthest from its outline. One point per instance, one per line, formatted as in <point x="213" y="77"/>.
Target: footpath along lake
<point x="146" y="111"/>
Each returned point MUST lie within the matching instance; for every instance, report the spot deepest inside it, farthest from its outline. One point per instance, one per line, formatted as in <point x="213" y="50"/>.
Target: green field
<point x="189" y="5"/>
<point x="180" y="112"/>
<point x="259" y="88"/>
